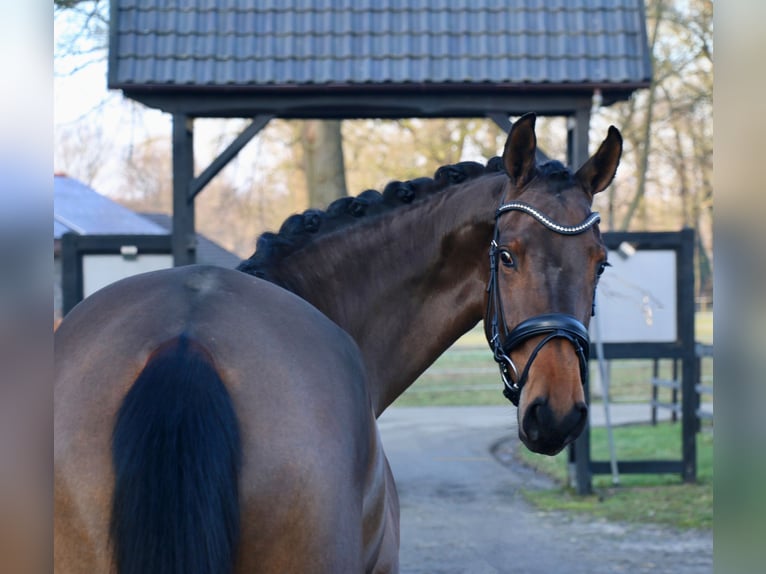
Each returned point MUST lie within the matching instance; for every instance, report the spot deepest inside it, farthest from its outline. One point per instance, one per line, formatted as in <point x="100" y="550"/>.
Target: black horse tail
<point x="177" y="454"/>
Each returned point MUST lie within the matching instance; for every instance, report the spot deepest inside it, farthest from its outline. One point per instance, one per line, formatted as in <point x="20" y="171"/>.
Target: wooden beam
<point x="184" y="235"/>
<point x="577" y="137"/>
<point x="502" y="121"/>
<point x="333" y="105"/>
<point x="199" y="182"/>
<point x="577" y="153"/>
<point x="689" y="373"/>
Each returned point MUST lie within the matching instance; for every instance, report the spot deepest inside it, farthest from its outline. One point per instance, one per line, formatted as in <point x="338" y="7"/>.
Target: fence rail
<point x="468" y="374"/>
<point x="703" y="351"/>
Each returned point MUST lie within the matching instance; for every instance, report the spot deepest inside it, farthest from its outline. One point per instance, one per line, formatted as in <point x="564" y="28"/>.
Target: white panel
<point x="636" y="298"/>
<point x="100" y="270"/>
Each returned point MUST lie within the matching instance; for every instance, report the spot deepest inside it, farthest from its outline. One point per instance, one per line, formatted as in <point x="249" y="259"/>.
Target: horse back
<point x="297" y="390"/>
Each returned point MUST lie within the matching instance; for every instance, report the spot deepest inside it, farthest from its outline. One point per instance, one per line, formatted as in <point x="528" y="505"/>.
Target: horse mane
<point x="300" y="229"/>
<point x="556" y="170"/>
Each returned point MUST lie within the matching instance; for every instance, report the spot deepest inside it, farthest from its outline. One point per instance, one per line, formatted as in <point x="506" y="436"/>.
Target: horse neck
<point x="405" y="285"/>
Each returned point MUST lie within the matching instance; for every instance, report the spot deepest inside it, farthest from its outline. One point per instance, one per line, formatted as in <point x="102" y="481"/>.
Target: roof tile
<point x="293" y="42"/>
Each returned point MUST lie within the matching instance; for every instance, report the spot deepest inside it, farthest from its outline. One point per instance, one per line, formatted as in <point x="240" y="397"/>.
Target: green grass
<point x="660" y="498"/>
<point x="467" y="375"/>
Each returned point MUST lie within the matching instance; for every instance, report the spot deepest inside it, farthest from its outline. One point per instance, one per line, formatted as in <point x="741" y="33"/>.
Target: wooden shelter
<point x="344" y="59"/>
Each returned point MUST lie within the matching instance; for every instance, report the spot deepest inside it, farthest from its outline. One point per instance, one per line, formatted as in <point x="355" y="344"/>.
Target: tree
<point x="81" y="151"/>
<point x="87" y="31"/>
<point x="646" y="132"/>
<point x="322" y="146"/>
<point x="665" y="179"/>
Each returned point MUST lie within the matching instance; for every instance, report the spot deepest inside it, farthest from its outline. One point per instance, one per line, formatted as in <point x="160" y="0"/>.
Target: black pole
<point x="577" y="154"/>
<point x="71" y="273"/>
<point x="184" y="236"/>
<point x="689" y="361"/>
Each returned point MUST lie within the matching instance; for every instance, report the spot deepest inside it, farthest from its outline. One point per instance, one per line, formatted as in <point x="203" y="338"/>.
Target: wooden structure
<point x="301" y="59"/>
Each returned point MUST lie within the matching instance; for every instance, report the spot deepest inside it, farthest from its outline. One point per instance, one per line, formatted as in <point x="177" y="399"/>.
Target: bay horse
<point x="217" y="421"/>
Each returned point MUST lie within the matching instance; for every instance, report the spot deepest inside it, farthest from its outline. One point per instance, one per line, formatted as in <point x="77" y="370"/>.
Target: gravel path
<point x="462" y="510"/>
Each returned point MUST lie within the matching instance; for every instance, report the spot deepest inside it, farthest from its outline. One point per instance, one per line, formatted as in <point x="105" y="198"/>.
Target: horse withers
<point x="211" y="420"/>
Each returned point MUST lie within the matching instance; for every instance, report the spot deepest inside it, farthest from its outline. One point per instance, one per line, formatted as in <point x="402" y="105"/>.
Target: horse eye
<point x="602" y="267"/>
<point x="506" y="258"/>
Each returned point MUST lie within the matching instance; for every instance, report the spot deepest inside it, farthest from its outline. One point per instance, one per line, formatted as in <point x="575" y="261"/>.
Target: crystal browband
<point x="589" y="221"/>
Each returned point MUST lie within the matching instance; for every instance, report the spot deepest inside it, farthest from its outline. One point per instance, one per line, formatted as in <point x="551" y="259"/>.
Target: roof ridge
<point x="481" y="34"/>
<point x="185" y="9"/>
<point x="479" y="57"/>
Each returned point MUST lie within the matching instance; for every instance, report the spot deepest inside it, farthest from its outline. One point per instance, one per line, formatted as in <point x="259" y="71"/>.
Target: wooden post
<point x="689" y="361"/>
<point x="184" y="235"/>
<point x="577" y="154"/>
<point x="655" y="389"/>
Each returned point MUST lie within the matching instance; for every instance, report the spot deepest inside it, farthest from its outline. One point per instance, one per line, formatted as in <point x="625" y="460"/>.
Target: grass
<point x="660" y="498"/>
<point x="467" y="375"/>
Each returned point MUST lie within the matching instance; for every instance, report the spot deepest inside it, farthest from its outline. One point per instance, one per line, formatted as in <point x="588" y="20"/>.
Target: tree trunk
<point x="323" y="161"/>
<point x="643" y="164"/>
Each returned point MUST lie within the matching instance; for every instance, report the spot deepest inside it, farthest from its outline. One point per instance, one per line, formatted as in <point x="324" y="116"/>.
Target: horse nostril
<point x="532" y="423"/>
<point x="578" y="417"/>
<point x="547" y="433"/>
<point x="583" y="408"/>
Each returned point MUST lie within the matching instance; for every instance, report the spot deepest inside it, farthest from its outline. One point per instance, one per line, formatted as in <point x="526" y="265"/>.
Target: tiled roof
<point x="267" y="43"/>
<point x="80" y="209"/>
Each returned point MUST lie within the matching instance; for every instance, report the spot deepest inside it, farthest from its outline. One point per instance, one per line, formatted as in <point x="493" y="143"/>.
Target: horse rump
<point x="176" y="453"/>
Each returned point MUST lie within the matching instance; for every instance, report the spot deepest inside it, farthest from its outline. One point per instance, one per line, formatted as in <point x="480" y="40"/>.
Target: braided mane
<point x="300" y="229"/>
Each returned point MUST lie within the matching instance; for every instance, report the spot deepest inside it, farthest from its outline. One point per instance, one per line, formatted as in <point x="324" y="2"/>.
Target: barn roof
<point x="293" y="47"/>
<point x="80" y="209"/>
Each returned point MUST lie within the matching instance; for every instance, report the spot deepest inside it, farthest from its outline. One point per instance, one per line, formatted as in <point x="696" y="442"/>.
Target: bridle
<point x="552" y="325"/>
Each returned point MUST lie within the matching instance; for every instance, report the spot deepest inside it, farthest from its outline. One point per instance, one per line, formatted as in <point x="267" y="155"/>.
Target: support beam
<point x="372" y="102"/>
<point x="577" y="153"/>
<point x="184" y="236"/>
<point x="578" y="126"/>
<point x="502" y="121"/>
<point x="689" y="373"/>
<point x="198" y="183"/>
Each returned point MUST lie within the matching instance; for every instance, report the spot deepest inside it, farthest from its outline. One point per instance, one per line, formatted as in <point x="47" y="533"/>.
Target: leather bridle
<point x="552" y="325"/>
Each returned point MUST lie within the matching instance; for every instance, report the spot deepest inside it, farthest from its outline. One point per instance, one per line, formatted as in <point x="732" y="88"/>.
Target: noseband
<point x="552" y="325"/>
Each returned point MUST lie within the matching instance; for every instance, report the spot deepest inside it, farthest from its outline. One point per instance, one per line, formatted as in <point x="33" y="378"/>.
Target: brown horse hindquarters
<point x="311" y="458"/>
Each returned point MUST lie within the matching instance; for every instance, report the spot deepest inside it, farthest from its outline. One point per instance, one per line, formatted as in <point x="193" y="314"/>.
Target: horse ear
<point x="597" y="173"/>
<point x="519" y="152"/>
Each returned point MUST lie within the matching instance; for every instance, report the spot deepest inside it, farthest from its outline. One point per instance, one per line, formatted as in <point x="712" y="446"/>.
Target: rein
<point x="553" y="325"/>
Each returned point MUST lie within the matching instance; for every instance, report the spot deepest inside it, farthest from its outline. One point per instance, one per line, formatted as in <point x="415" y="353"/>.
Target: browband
<point x="589" y="221"/>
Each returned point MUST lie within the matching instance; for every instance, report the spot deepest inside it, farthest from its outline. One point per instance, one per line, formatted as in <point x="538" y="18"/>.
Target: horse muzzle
<point x="545" y="433"/>
<point x="552" y="326"/>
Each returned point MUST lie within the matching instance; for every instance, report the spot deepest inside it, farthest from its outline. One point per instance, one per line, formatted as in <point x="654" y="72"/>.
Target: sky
<point x="83" y="102"/>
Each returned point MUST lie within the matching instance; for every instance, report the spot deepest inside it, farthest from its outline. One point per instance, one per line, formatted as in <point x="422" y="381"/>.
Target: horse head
<point x="545" y="260"/>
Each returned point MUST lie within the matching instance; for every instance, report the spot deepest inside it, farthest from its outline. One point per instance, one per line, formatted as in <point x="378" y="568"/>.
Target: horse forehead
<point x="559" y="250"/>
<point x="569" y="206"/>
<point x="557" y="199"/>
